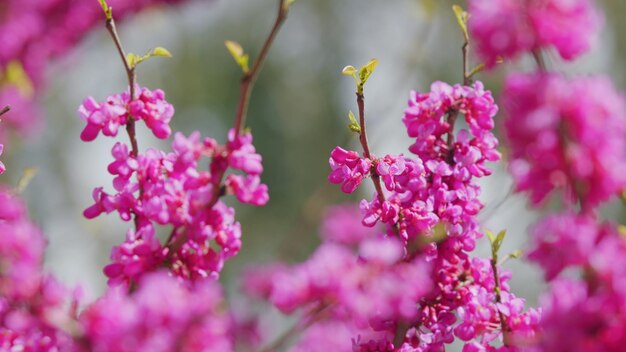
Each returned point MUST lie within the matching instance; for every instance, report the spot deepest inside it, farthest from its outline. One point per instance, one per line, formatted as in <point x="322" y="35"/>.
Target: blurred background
<point x="298" y="113"/>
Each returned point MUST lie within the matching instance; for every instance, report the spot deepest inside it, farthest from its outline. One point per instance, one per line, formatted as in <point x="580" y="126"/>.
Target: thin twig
<point x="537" y="55"/>
<point x="5" y="110"/>
<point x="315" y="316"/>
<point x="130" y="73"/>
<point x="249" y="78"/>
<point x="496" y="278"/>
<point x="467" y="77"/>
<point x="360" y="100"/>
<point x="245" y="91"/>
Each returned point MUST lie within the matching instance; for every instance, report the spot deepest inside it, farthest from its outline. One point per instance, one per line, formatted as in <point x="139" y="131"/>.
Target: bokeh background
<point x="298" y="113"/>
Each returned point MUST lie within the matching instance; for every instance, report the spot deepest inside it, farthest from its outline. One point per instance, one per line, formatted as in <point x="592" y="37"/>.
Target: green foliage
<point x="108" y="11"/>
<point x="134" y="59"/>
<point x="237" y="53"/>
<point x="461" y="17"/>
<point x="354" y="124"/>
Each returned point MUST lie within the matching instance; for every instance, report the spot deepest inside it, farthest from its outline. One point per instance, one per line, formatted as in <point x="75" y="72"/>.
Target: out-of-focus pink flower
<point x="568" y="134"/>
<point x="507" y="28"/>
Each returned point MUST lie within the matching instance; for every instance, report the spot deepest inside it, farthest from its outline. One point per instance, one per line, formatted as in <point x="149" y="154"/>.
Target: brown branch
<point x="496" y="277"/>
<point x="250" y="77"/>
<point x="467" y="77"/>
<point x="360" y="100"/>
<point x="5" y="110"/>
<point x="541" y="64"/>
<point x="245" y="91"/>
<point x="316" y="315"/>
<point x="130" y="73"/>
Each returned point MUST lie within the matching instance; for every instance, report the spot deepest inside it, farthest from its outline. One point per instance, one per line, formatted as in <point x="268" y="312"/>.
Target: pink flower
<point x="149" y="106"/>
<point x="507" y="28"/>
<point x="141" y="253"/>
<point x="161" y="315"/>
<point x="348" y="169"/>
<point x="563" y="240"/>
<point x="566" y="134"/>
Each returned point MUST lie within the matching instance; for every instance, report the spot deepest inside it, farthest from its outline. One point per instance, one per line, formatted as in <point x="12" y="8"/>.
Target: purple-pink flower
<point x="508" y="28"/>
<point x="566" y="134"/>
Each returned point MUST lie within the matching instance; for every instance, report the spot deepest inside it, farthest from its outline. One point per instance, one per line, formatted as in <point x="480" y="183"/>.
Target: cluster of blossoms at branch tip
<point x="412" y="285"/>
<point x="567" y="134"/>
<point x="507" y="28"/>
<point x="32" y="34"/>
<point x="159" y="188"/>
<point x="32" y="304"/>
<point x="119" y="109"/>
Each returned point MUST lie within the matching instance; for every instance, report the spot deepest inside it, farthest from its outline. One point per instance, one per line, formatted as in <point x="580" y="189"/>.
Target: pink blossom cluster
<point x="159" y="188"/>
<point x="438" y="185"/>
<point x="369" y="294"/>
<point x="34" y="32"/>
<point x="161" y="315"/>
<point x="587" y="314"/>
<point x="38" y="314"/>
<point x="107" y="117"/>
<point x="508" y="28"/>
<point x="413" y="287"/>
<point x="568" y="134"/>
<point x="35" y="310"/>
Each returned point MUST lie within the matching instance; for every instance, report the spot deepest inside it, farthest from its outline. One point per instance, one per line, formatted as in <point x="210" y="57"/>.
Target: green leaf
<point x="27" y="175"/>
<point x="516" y="254"/>
<point x="354" y="124"/>
<point x="461" y="17"/>
<point x="490" y="236"/>
<point x="161" y="51"/>
<point x="366" y="71"/>
<point x="133" y="59"/>
<point x="349" y="70"/>
<point x="108" y="11"/>
<point x="17" y="76"/>
<point x="236" y="51"/>
<point x="495" y="245"/>
<point x="288" y="4"/>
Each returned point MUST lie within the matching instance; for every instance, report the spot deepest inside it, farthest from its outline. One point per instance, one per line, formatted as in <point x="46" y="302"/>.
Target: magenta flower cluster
<point x="566" y="134"/>
<point x="119" y="109"/>
<point x="507" y="28"/>
<point x="159" y="188"/>
<point x="567" y="145"/>
<point x="32" y="34"/>
<point x="411" y="286"/>
<point x="394" y="273"/>
<point x="38" y="314"/>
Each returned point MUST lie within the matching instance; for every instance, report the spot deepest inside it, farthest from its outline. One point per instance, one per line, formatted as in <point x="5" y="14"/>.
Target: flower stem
<point x="5" y="110"/>
<point x="245" y="91"/>
<point x="130" y="73"/>
<point x="249" y="78"/>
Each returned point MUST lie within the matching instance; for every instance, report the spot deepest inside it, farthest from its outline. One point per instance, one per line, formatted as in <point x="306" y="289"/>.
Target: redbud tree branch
<point x="245" y="91"/>
<point x="130" y="73"/>
<point x="249" y="78"/>
<point x="360" y="101"/>
<point x="5" y="110"/>
<point x="496" y="279"/>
